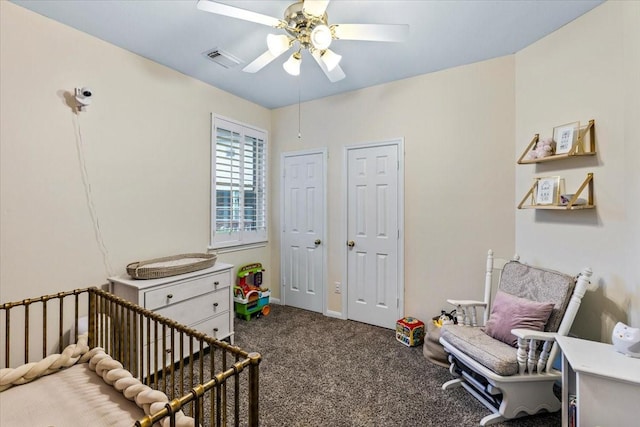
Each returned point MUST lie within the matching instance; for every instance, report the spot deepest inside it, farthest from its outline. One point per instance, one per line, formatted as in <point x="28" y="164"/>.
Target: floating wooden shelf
<point x="558" y="207"/>
<point x="577" y="150"/>
<point x="587" y="183"/>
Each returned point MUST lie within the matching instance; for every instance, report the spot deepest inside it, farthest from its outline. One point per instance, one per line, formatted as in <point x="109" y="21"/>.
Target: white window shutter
<point x="239" y="214"/>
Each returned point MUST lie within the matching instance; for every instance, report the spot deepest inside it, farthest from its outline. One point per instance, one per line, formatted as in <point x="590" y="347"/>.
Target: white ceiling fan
<point x="307" y="27"/>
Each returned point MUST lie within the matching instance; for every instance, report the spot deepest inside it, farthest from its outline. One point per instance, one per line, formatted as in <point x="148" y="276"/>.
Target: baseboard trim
<point x="336" y="314"/>
<point x="328" y="313"/>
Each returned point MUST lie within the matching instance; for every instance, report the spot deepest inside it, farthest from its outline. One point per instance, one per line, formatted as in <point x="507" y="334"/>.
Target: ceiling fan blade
<point x="335" y="75"/>
<point x="236" y="12"/>
<point x="315" y="7"/>
<point x="261" y="61"/>
<point x="371" y="32"/>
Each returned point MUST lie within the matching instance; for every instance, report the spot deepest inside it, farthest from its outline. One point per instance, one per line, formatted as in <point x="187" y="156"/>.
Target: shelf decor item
<point x="541" y="192"/>
<point x="570" y="140"/>
<point x="565" y="136"/>
<point x="548" y="190"/>
<point x="170" y="266"/>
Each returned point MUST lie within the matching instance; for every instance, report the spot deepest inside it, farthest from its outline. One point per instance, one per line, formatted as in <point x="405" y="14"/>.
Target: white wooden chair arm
<point x="528" y="334"/>
<point x="466" y="310"/>
<point x="466" y="303"/>
<point x="529" y="360"/>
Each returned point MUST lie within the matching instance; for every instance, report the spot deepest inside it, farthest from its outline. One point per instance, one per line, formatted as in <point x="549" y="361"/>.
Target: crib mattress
<point x="76" y="396"/>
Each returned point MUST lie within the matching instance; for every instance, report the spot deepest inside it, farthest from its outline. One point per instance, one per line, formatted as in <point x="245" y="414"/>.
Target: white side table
<point x="606" y="384"/>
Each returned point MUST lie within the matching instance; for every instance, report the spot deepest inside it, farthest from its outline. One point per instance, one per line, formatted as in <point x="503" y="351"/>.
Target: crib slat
<point x="44" y="327"/>
<point x="60" y="296"/>
<point x="76" y="317"/>
<point x="27" y="303"/>
<point x="7" y="334"/>
<point x="254" y="392"/>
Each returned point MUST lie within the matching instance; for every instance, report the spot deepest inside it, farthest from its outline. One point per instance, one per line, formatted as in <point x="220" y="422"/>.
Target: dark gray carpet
<point x="321" y="371"/>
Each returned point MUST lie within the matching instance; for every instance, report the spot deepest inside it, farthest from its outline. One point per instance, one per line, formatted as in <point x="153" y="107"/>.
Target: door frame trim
<point x="325" y="156"/>
<point x="399" y="142"/>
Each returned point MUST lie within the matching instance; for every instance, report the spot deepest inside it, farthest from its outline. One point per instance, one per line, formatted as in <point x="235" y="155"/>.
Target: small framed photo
<point x="548" y="190"/>
<point x="565" y="136"/>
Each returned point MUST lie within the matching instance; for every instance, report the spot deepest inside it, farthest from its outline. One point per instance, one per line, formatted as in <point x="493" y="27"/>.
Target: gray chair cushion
<point x="541" y="285"/>
<point x="494" y="354"/>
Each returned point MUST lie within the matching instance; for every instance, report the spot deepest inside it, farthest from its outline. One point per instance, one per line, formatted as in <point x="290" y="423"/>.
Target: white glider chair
<point x="507" y="362"/>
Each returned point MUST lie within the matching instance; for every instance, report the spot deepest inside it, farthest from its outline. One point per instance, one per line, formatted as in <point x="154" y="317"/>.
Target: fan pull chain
<point x="299" y="132"/>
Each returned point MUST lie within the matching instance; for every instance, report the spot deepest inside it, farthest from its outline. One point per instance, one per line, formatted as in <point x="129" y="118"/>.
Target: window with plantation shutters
<point x="238" y="202"/>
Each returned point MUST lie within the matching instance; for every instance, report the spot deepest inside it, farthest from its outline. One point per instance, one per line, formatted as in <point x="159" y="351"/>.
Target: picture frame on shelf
<point x="565" y="136"/>
<point x="547" y="190"/>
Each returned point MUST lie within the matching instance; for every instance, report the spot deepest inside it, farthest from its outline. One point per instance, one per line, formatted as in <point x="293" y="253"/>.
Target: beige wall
<point x="458" y="134"/>
<point x="589" y="69"/>
<point x="146" y="145"/>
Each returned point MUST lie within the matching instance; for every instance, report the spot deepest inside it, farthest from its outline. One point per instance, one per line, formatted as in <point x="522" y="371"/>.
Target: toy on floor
<point x="445" y="318"/>
<point x="410" y="331"/>
<point x="250" y="298"/>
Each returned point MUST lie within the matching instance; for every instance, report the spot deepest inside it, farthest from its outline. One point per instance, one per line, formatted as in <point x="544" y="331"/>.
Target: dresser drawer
<point x="217" y="327"/>
<point x="183" y="290"/>
<point x="191" y="311"/>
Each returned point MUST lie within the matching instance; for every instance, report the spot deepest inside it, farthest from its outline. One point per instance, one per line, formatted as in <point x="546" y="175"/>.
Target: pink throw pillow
<point x="511" y="312"/>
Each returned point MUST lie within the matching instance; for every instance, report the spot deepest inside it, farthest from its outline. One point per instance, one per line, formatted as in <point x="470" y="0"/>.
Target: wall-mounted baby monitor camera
<point x="83" y="97"/>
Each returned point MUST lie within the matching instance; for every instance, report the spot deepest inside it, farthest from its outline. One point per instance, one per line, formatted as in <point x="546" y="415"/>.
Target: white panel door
<point x="373" y="235"/>
<point x="303" y="231"/>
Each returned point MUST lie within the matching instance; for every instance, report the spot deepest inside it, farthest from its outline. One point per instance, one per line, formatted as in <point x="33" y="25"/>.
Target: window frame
<point x="240" y="237"/>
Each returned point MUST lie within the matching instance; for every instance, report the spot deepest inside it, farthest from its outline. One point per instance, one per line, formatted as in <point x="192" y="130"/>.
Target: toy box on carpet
<point x="410" y="331"/>
<point x="249" y="298"/>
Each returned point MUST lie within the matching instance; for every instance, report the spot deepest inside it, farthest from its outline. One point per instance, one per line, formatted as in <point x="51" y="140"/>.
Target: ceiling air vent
<point x="223" y="58"/>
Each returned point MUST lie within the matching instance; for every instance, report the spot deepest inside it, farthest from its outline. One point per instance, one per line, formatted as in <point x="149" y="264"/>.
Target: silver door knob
<point x="351" y="243"/>
<point x="317" y="242"/>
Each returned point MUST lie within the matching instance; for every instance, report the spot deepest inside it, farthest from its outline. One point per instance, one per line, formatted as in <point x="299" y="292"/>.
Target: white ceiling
<point x="443" y="34"/>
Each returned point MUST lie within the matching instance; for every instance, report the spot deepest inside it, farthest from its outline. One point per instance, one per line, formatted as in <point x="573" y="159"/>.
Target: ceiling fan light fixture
<point x="321" y="37"/>
<point x="292" y="65"/>
<point x="278" y="44"/>
<point x="330" y="59"/>
<point x="307" y="26"/>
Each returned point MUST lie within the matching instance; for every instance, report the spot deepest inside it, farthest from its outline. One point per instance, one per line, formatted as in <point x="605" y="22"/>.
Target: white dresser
<point x="201" y="300"/>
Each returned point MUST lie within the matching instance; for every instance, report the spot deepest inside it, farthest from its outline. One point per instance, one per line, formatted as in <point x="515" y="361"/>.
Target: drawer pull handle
<point x="215" y="329"/>
<point x="216" y="283"/>
<point x="215" y="304"/>
<point x="170" y="296"/>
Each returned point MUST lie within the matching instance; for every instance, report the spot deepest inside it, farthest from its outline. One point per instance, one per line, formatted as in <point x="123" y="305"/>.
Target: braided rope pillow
<point x="50" y="364"/>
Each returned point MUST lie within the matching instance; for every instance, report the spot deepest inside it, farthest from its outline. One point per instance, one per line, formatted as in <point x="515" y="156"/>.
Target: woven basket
<point x="170" y="266"/>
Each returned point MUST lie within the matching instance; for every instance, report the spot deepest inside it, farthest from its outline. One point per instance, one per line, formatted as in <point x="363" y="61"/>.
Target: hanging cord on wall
<point x="88" y="194"/>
